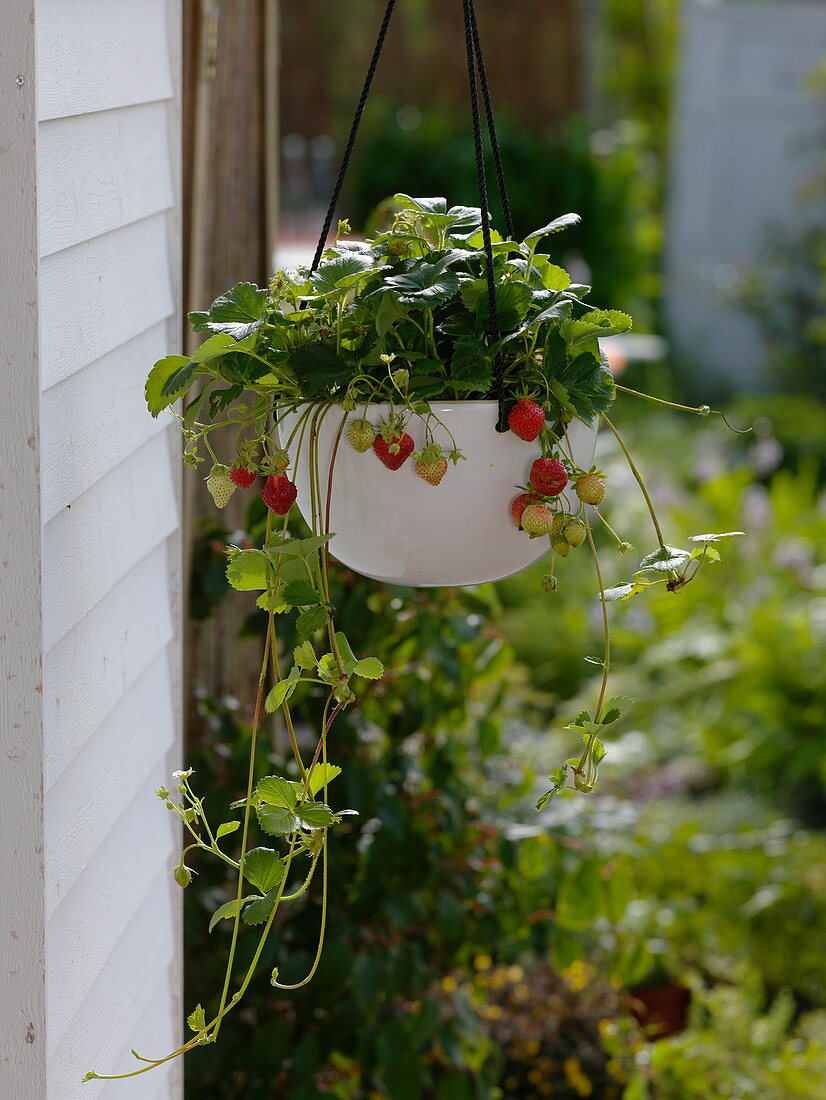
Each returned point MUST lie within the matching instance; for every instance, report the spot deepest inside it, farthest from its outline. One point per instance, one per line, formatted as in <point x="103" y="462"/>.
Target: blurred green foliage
<point x="688" y="862"/>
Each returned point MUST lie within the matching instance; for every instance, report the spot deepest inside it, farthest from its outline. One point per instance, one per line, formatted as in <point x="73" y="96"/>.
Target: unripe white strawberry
<point x="574" y="532"/>
<point x="220" y="485"/>
<point x="537" y="519"/>
<point x="590" y="488"/>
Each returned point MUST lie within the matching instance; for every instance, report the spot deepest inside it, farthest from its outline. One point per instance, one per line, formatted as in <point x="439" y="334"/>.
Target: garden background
<point x="660" y="938"/>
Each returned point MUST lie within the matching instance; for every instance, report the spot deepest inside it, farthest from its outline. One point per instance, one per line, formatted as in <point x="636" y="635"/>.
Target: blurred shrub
<point x="608" y="178"/>
<point x="724" y="884"/>
<point x="735" y="1048"/>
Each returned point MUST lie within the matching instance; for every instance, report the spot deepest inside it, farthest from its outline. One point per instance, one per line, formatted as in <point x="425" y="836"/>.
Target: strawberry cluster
<point x="538" y="510"/>
<point x="392" y="445"/>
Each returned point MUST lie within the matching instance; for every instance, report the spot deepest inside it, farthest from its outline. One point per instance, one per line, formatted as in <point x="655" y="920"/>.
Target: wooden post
<point x="22" y="918"/>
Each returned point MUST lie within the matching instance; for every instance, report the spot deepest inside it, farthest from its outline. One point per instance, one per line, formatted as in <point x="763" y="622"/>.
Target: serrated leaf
<point x="299" y="594"/>
<point x="513" y="298"/>
<point x="563" y="222"/>
<point x="557" y="780"/>
<point x="614" y="708"/>
<point x="238" y="313"/>
<point x="665" y="559"/>
<point x="156" y="398"/>
<point x="304" y="656"/>
<point x="311" y="620"/>
<point x="228" y="909"/>
<point x="621" y="592"/>
<point x="297" y="548"/>
<point x="321" y="775"/>
<point x="259" y="909"/>
<point x="339" y="274"/>
<point x="315" y="815"/>
<point x="276" y="791"/>
<point x="264" y="868"/>
<point x="248" y="570"/>
<point x="197" y="1018"/>
<point x="715" y="538"/>
<point x="276" y="820"/>
<point x="227" y="828"/>
<point x="348" y="658"/>
<point x="279" y="695"/>
<point x="370" y="668"/>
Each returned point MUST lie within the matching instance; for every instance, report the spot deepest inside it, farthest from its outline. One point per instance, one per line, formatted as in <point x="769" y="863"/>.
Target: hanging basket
<point x="394" y="527"/>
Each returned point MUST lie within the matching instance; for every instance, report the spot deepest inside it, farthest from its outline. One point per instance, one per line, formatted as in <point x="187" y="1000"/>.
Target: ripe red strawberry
<point x="432" y="468"/>
<point x="393" y="459"/>
<point x="526" y="419"/>
<point x="219" y="485"/>
<point x="548" y="476"/>
<point x="519" y="504"/>
<point x="242" y="476"/>
<point x="537" y="519"/>
<point x="279" y="494"/>
<point x="590" y="488"/>
<point x="361" y="434"/>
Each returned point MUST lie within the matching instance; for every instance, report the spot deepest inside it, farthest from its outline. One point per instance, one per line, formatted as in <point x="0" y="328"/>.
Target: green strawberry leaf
<point x="310" y="621"/>
<point x="228" y="909"/>
<point x="276" y="820"/>
<point x="264" y="868"/>
<point x="248" y="570"/>
<point x="227" y="828"/>
<point x="370" y="668"/>
<point x="157" y="393"/>
<point x="315" y="815"/>
<point x="237" y="313"/>
<point x="197" y="1018"/>
<point x="259" y="909"/>
<point x="322" y="774"/>
<point x="665" y="559"/>
<point x="555" y="226"/>
<point x="319" y="369"/>
<point x="715" y="538"/>
<point x="276" y="791"/>
<point x="299" y="594"/>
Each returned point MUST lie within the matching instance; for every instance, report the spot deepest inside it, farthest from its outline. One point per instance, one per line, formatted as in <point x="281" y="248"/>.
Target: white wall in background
<point x="106" y="290"/>
<point x="746" y="136"/>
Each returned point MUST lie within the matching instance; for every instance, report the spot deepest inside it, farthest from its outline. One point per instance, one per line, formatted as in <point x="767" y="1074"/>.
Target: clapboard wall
<point x="107" y="135"/>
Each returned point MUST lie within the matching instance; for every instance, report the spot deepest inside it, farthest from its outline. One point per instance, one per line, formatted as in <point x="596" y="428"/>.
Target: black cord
<point x="498" y="370"/>
<point x="476" y="72"/>
<point x="351" y="140"/>
<point x="494" y="140"/>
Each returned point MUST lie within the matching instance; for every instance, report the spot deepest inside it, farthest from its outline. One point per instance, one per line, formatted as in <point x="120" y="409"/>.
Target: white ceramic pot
<point x="393" y="526"/>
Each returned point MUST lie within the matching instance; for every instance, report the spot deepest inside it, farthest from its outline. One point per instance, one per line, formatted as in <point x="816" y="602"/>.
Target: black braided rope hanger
<point x="477" y="76"/>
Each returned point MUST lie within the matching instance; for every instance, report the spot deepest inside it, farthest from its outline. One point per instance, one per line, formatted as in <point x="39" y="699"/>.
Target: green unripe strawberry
<point x="574" y="532"/>
<point x="361" y="434"/>
<point x="220" y="485"/>
<point x="560" y="519"/>
<point x="562" y="547"/>
<point x="590" y="488"/>
<point x="537" y="519"/>
<point x="182" y="875"/>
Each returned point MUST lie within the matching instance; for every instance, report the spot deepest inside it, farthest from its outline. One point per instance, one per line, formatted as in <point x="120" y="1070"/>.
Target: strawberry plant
<point x="403" y="322"/>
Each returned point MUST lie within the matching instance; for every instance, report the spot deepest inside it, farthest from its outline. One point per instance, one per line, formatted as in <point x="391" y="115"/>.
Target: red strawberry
<point x="526" y="419"/>
<point x="279" y="494"/>
<point x="242" y="476"/>
<point x="548" y="476"/>
<point x="518" y="505"/>
<point x="393" y="459"/>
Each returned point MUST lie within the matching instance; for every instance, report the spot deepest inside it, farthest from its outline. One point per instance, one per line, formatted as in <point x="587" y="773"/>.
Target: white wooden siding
<point x="108" y="181"/>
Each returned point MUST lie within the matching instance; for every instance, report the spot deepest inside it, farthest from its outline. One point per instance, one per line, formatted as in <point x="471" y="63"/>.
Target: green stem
<point x="639" y="479"/>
